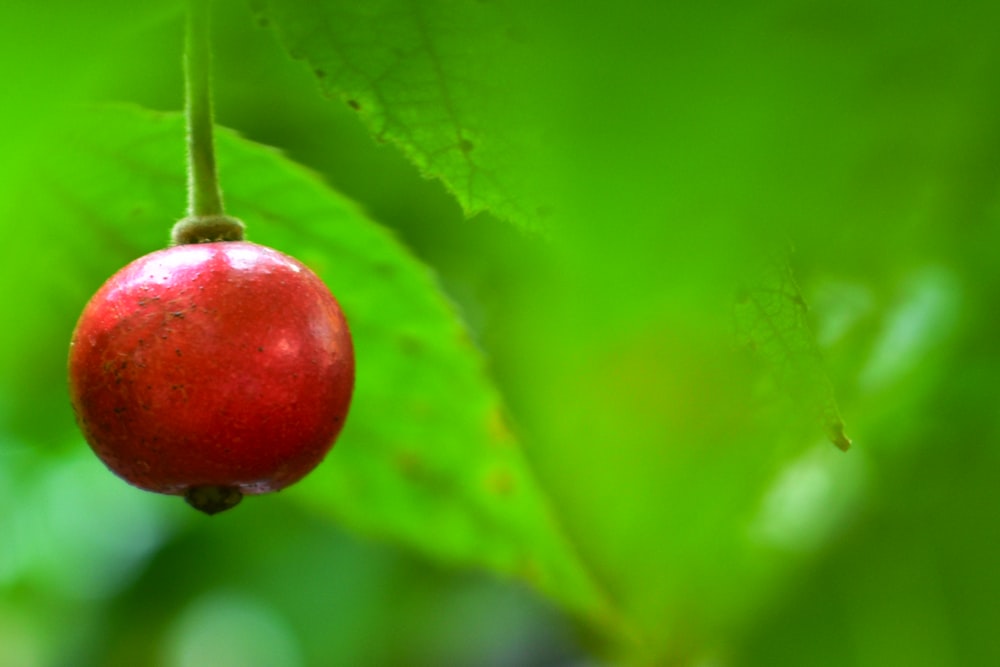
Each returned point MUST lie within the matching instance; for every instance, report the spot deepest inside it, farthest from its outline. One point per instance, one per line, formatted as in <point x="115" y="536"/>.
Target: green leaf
<point x="772" y="325"/>
<point x="427" y="459"/>
<point x="445" y="81"/>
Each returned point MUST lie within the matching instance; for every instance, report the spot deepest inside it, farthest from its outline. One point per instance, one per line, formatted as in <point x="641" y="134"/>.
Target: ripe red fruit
<point x="212" y="370"/>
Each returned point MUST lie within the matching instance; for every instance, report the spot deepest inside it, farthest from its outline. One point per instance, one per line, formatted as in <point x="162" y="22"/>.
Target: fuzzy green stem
<point x="204" y="196"/>
<point x="206" y="220"/>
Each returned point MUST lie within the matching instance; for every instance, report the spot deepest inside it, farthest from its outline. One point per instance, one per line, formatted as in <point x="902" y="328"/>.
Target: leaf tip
<point x="835" y="431"/>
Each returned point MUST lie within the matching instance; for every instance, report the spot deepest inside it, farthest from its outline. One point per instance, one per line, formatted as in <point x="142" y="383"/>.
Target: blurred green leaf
<point x="442" y="80"/>
<point x="772" y="325"/>
<point x="427" y="459"/>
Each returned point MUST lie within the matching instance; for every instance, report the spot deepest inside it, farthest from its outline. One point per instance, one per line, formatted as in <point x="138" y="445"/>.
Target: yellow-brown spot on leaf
<point x="500" y="482"/>
<point x="498" y="428"/>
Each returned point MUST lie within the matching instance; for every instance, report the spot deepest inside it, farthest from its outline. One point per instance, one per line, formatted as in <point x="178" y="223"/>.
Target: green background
<point x="607" y="267"/>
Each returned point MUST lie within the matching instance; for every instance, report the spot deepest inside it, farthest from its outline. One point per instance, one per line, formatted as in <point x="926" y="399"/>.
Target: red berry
<point x="212" y="370"/>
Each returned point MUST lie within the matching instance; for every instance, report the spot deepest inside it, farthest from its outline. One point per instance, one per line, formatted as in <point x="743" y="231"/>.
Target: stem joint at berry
<point x="206" y="229"/>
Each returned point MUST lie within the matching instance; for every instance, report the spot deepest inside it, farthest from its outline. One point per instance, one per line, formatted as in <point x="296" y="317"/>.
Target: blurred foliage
<point x="665" y="156"/>
<point x="436" y="466"/>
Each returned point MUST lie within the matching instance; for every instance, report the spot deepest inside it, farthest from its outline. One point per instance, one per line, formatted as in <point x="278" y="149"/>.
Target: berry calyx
<point x="206" y="229"/>
<point x="212" y="370"/>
